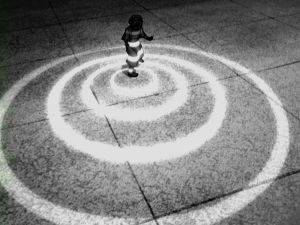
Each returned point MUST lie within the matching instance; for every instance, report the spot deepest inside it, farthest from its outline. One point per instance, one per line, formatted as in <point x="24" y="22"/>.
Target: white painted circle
<point x="135" y="92"/>
<point x="116" y="112"/>
<point x="206" y="215"/>
<point x="138" y="154"/>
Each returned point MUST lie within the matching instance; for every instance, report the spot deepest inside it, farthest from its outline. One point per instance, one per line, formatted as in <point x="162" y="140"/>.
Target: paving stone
<point x="272" y="8"/>
<point x="201" y="16"/>
<point x="33" y="44"/>
<point x="75" y="10"/>
<point x="293" y="20"/>
<point x="18" y="18"/>
<point x="256" y="46"/>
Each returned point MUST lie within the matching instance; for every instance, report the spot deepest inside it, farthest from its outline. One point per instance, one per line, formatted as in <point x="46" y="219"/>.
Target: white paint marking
<point x="135" y="92"/>
<point x="138" y="154"/>
<point x="219" y="211"/>
<point x="117" y="112"/>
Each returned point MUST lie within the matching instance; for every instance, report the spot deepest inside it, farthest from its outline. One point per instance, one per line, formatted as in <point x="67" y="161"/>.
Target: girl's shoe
<point x="133" y="74"/>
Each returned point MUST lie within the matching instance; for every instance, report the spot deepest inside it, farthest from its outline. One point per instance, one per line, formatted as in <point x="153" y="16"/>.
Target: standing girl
<point x="133" y="46"/>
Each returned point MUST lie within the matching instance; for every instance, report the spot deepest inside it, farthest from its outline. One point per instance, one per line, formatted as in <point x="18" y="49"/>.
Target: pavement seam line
<point x="160" y="19"/>
<point x="274" y="18"/>
<point x="253" y="85"/>
<point x="275" y="67"/>
<point x="215" y="198"/>
<point x="112" y="104"/>
<point x="113" y="132"/>
<point x="118" y="14"/>
<point x="251" y="9"/>
<point x="143" y="193"/>
<point x="287" y="24"/>
<point x="107" y="120"/>
<point x="63" y="30"/>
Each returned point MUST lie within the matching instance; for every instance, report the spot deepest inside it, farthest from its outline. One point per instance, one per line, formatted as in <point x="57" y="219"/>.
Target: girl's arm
<point x="144" y="35"/>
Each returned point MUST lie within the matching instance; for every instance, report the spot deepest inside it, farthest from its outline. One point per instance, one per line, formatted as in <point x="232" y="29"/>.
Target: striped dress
<point x="134" y="47"/>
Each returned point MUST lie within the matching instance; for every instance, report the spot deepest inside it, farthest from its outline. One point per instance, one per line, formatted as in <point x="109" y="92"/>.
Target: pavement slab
<point x="205" y="15"/>
<point x="257" y="46"/>
<point x="75" y="10"/>
<point x="30" y="104"/>
<point x="11" y="74"/>
<point x="285" y="83"/>
<point x="148" y="4"/>
<point x="32" y="45"/>
<point x="293" y="20"/>
<point x="19" y="18"/>
<point x="30" y="4"/>
<point x="272" y="8"/>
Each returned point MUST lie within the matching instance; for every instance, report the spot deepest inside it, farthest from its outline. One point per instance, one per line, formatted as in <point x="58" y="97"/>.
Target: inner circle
<point x="134" y="92"/>
<point x="136" y="154"/>
<point x="118" y="113"/>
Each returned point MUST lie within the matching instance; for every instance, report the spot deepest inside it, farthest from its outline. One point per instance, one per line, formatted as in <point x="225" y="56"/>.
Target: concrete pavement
<point x="69" y="186"/>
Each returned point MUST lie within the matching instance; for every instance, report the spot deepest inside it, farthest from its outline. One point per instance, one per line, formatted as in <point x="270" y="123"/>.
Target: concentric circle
<point x="206" y="215"/>
<point x="116" y="112"/>
<point x="135" y="92"/>
<point x="138" y="154"/>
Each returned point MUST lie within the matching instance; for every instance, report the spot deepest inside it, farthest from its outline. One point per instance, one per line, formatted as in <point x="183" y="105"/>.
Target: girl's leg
<point x="132" y="72"/>
<point x="142" y="55"/>
<point x="132" y="61"/>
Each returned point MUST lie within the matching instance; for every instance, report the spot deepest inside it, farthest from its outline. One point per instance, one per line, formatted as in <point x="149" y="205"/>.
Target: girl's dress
<point x="134" y="47"/>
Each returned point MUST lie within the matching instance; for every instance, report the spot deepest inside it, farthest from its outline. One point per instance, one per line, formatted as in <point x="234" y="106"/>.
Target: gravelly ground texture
<point x="208" y="133"/>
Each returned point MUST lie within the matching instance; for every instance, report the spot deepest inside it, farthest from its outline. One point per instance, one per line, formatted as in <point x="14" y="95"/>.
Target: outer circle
<point x="219" y="211"/>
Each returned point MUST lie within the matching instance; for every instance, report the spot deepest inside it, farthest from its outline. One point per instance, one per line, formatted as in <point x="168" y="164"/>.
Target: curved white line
<point x="21" y="193"/>
<point x="139" y="154"/>
<point x="134" y="92"/>
<point x="207" y="215"/>
<point x="118" y="113"/>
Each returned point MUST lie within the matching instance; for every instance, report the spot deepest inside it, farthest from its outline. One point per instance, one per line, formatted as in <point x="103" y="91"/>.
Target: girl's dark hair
<point x="136" y="21"/>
